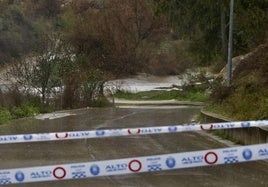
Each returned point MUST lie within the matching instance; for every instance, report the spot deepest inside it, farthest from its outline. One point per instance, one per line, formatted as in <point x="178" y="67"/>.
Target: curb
<point x="215" y="116"/>
<point x="222" y="118"/>
<point x="250" y="135"/>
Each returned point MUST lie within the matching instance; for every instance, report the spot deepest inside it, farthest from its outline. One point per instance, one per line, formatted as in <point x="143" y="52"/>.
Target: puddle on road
<point x="52" y="116"/>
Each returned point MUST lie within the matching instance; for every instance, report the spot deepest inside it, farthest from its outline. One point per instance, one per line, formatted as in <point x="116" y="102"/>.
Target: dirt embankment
<point x="255" y="59"/>
<point x="247" y="97"/>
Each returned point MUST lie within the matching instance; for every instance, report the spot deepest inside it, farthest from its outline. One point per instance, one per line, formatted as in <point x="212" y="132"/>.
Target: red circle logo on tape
<point x="134" y="165"/>
<point x="61" y="135"/>
<point x="211" y="158"/>
<point x="210" y="127"/>
<point x="134" y="131"/>
<point x="59" y="172"/>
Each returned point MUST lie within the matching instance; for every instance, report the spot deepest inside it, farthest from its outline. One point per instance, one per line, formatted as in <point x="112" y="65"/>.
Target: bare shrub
<point x="170" y="58"/>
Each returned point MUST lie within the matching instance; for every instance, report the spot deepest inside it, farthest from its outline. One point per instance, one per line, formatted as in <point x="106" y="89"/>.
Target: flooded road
<point x="143" y="82"/>
<point x="85" y="150"/>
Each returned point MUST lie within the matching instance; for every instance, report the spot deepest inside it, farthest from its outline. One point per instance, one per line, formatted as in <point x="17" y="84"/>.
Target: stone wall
<point x="251" y="135"/>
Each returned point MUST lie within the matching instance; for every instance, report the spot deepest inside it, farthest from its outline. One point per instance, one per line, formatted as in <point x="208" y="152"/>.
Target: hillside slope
<point x="247" y="99"/>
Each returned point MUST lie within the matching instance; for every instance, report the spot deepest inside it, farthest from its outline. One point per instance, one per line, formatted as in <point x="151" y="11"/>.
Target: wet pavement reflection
<point x="85" y="150"/>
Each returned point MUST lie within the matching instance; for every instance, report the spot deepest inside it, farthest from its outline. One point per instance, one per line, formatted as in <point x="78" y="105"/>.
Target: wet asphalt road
<point x="85" y="150"/>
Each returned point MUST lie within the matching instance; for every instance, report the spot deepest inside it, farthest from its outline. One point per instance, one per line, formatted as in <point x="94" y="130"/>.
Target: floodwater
<point x="144" y="82"/>
<point x="86" y="150"/>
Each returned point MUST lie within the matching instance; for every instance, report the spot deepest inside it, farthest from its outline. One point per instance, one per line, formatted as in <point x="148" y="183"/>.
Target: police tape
<point x="19" y="138"/>
<point x="135" y="165"/>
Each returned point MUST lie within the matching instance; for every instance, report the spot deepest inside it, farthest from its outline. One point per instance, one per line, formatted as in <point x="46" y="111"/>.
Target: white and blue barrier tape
<point x="135" y="165"/>
<point x="20" y="138"/>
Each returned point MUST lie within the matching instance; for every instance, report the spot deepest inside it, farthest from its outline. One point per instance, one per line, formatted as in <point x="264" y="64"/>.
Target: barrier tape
<point x="6" y="139"/>
<point x="135" y="165"/>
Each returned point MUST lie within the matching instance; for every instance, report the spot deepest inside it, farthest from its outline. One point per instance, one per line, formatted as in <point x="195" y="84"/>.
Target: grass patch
<point x="5" y="115"/>
<point x="164" y="95"/>
<point x="247" y="98"/>
<point x="25" y="110"/>
<point x="243" y="105"/>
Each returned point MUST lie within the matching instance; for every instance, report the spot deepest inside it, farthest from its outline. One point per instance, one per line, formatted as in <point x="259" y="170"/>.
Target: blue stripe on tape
<point x="135" y="164"/>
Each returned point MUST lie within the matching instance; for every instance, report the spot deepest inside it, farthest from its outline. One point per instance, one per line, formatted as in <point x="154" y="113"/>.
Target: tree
<point x="38" y="8"/>
<point x="37" y="74"/>
<point x="250" y="24"/>
<point x="113" y="34"/>
<point x="197" y="21"/>
<point x="204" y="23"/>
<point x="17" y="35"/>
<point x="51" y="63"/>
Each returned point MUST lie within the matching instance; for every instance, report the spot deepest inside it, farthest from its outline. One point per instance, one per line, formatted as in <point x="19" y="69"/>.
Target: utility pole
<point x="230" y="44"/>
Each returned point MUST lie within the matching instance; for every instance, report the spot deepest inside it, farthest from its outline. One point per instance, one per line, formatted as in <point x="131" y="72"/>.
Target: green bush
<point x="25" y="110"/>
<point x="198" y="96"/>
<point x="30" y="110"/>
<point x="44" y="109"/>
<point x="17" y="112"/>
<point x="243" y="104"/>
<point x="246" y="106"/>
<point x="220" y="92"/>
<point x="5" y="115"/>
<point x="101" y="102"/>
